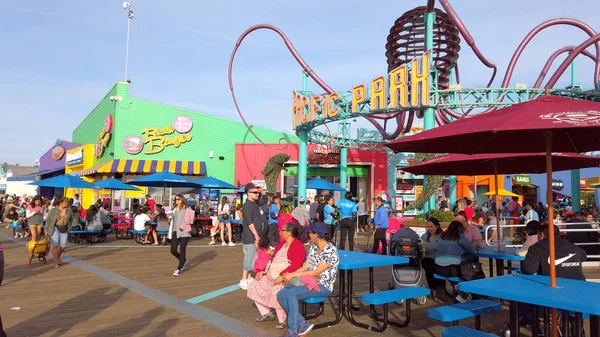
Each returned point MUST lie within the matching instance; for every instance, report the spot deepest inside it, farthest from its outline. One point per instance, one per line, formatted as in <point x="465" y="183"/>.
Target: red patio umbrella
<point x="570" y="125"/>
<point x="500" y="163"/>
<point x="547" y="123"/>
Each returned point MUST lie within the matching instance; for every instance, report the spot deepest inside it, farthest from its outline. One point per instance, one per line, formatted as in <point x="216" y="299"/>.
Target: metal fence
<point x="505" y="227"/>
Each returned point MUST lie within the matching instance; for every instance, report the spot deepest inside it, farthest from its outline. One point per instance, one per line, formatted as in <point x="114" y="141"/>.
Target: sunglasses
<point x="254" y="192"/>
<point x="177" y="199"/>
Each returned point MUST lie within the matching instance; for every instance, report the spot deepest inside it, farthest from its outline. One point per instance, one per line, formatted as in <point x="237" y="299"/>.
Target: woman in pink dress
<point x="287" y="257"/>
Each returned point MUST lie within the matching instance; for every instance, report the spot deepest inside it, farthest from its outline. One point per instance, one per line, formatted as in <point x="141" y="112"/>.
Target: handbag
<point x="61" y="229"/>
<point x="224" y="216"/>
<point x="275" y="268"/>
<point x="470" y="271"/>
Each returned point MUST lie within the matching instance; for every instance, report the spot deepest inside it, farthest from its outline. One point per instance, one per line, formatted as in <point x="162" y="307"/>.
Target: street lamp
<point x="127" y="6"/>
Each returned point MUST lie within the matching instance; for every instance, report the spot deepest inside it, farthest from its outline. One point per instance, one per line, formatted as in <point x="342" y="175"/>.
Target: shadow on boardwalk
<point x="137" y="324"/>
<point x="94" y="302"/>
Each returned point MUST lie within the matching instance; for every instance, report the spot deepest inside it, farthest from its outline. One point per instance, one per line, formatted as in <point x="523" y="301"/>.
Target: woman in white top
<point x="224" y="220"/>
<point x="92" y="219"/>
<point x="140" y="222"/>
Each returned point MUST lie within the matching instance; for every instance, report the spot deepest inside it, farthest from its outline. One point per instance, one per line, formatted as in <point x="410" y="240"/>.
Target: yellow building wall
<point x="86" y="195"/>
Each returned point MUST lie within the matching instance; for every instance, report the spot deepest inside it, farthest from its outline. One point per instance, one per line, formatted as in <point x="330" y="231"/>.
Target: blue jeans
<point x="289" y="297"/>
<point x="59" y="239"/>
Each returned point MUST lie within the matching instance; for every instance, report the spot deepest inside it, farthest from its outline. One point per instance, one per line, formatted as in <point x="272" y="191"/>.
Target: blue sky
<point x="59" y="58"/>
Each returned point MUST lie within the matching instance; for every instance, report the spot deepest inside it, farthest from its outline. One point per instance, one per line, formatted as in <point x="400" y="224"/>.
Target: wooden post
<point x="496" y="202"/>
<point x="548" y="137"/>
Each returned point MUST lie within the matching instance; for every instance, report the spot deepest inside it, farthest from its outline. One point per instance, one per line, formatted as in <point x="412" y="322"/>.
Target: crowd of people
<point x="284" y="270"/>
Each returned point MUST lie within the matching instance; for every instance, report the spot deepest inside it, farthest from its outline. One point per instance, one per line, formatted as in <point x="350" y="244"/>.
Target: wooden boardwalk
<point x="119" y="288"/>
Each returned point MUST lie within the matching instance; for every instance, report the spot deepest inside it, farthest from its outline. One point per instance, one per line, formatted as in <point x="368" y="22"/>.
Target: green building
<point x="127" y="137"/>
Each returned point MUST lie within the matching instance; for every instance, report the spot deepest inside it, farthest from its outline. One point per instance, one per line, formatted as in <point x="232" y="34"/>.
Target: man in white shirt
<point x="531" y="213"/>
<point x="76" y="201"/>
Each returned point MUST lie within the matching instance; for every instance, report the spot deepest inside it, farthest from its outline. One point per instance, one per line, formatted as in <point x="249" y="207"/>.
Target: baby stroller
<point x="405" y="242"/>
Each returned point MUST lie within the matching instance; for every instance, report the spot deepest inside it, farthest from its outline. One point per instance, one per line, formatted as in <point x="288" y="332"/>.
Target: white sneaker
<point x="211" y="243"/>
<point x="243" y="284"/>
<point x="177" y="272"/>
<point x="231" y="244"/>
<point x="223" y="243"/>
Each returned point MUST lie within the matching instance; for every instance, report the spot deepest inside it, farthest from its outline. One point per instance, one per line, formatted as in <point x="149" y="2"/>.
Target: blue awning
<point x="33" y="176"/>
<point x="45" y="172"/>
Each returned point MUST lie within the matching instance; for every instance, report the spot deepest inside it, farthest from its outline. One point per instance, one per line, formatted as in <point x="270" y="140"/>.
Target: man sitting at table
<point x="568" y="257"/>
<point x="471" y="232"/>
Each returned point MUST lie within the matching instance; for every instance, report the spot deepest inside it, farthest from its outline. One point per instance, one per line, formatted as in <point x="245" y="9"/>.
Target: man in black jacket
<point x="568" y="257"/>
<point x="568" y="262"/>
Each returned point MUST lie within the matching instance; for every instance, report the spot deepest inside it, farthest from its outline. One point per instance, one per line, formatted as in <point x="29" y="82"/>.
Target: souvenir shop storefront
<point x="126" y="137"/>
<point x="521" y="185"/>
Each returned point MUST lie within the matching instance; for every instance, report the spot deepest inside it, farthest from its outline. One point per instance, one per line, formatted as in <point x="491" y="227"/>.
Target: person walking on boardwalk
<point x="180" y="235"/>
<point x="58" y="225"/>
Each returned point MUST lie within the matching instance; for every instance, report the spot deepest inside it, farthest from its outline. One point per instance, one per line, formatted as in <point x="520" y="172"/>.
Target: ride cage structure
<point x="423" y="81"/>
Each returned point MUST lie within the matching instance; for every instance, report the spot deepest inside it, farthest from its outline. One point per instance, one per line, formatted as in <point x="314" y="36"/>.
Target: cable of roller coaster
<point x="302" y="63"/>
<point x="512" y="64"/>
<point x="567" y="62"/>
<point x="553" y="22"/>
<point x="291" y="48"/>
<point x="468" y="38"/>
<point x="553" y="57"/>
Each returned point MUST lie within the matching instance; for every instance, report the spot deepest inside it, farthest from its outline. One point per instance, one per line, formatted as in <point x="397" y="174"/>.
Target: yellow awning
<point x="133" y="166"/>
<point x="502" y="192"/>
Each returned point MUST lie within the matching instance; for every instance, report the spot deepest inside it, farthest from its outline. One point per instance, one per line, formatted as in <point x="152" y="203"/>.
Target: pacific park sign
<point x="404" y="88"/>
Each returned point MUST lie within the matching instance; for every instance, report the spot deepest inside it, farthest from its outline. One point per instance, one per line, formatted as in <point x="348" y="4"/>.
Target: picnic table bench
<point x="78" y="236"/>
<point x="139" y="235"/>
<point x="455" y="312"/>
<point x="461" y="331"/>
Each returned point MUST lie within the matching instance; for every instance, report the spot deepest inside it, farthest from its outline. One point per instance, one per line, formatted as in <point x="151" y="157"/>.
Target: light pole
<point x="127" y="6"/>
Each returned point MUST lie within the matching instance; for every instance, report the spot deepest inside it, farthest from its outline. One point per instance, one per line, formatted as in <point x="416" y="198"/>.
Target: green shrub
<point x="422" y="217"/>
<point x="443" y="216"/>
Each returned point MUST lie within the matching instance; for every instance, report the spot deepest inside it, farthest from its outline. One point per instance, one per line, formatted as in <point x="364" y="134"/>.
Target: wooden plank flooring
<point x="73" y="302"/>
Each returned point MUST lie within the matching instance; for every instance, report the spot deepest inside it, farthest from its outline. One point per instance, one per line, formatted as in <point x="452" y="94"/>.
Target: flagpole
<point x="127" y="6"/>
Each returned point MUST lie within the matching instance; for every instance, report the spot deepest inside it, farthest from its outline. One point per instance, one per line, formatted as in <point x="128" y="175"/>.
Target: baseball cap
<point x="248" y="187"/>
<point x="318" y="228"/>
<point x="569" y="213"/>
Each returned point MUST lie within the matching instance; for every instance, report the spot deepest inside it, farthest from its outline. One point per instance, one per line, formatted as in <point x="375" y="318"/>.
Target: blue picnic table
<point x="508" y="255"/>
<point x="580" y="297"/>
<point x="350" y="261"/>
